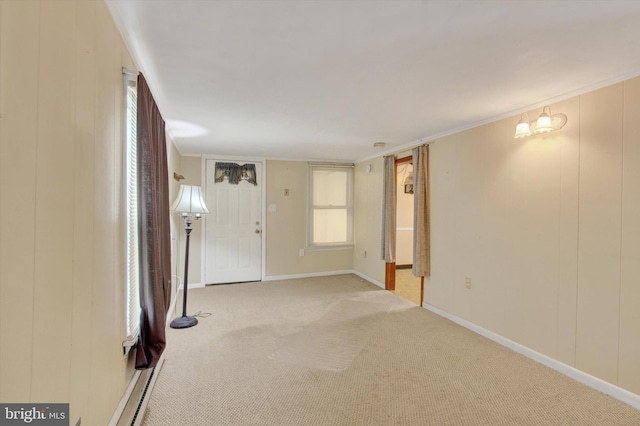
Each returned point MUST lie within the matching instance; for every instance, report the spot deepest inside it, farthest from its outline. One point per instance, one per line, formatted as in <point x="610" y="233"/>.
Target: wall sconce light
<point x="546" y="123"/>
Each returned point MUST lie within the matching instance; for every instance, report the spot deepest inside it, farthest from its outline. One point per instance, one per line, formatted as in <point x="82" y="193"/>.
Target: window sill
<point x="129" y="343"/>
<point x="329" y="248"/>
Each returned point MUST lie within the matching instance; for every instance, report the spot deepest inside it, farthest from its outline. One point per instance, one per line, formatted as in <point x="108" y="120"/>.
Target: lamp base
<point x="183" y="322"/>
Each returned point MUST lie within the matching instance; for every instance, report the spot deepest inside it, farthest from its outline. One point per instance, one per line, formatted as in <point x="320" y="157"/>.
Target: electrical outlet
<point x="467" y="282"/>
<point x="301" y="252"/>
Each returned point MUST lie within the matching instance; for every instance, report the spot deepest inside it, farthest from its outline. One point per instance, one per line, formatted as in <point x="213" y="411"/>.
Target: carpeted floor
<point x="411" y="367"/>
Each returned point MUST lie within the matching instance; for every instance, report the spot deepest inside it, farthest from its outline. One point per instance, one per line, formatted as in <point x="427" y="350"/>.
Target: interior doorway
<point x="406" y="284"/>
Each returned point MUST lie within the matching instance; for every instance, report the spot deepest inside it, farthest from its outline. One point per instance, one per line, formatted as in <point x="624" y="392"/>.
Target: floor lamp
<point x="191" y="207"/>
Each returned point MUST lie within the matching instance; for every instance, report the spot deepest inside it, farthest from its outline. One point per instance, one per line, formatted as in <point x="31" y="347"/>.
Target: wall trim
<point x="324" y="274"/>
<point x="125" y="397"/>
<point x="580" y="376"/>
<point x="173" y="313"/>
<point x="194" y="285"/>
<point x="368" y="278"/>
<point x="509" y="114"/>
<point x="307" y="275"/>
<point x="172" y="310"/>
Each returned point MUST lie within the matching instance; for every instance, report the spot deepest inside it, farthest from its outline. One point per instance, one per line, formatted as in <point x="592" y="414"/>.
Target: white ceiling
<point x="326" y="79"/>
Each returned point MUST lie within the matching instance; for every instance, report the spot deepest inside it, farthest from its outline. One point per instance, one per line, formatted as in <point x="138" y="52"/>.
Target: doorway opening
<point x="400" y="278"/>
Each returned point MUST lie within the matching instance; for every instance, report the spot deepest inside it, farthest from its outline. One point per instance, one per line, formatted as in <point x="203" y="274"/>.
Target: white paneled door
<point x="233" y="230"/>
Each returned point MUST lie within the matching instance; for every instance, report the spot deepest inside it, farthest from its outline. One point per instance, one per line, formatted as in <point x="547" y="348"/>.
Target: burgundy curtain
<point x="155" y="243"/>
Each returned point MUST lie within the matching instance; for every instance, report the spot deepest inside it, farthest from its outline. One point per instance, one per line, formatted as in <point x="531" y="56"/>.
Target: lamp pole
<point x="185" y="321"/>
<point x="191" y="207"/>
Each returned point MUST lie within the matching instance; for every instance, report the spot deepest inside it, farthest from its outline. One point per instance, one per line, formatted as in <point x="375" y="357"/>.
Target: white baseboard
<point x="125" y="398"/>
<point x="600" y="385"/>
<point x="324" y="274"/>
<point x="307" y="275"/>
<point x="195" y="285"/>
<point x="172" y="309"/>
<point x="368" y="278"/>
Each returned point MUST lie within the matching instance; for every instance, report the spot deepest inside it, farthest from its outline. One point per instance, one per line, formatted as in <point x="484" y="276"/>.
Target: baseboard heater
<point x="133" y="412"/>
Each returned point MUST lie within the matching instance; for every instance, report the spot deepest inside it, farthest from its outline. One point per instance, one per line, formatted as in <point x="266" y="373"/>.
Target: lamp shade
<point x="543" y="125"/>
<point x="189" y="200"/>
<point x="522" y="129"/>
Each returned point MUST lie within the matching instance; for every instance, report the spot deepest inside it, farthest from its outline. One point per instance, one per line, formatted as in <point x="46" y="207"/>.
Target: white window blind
<point x="132" y="301"/>
<point x="330" y="205"/>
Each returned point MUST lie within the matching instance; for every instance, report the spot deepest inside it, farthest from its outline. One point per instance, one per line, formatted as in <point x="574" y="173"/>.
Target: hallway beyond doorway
<point x="407" y="286"/>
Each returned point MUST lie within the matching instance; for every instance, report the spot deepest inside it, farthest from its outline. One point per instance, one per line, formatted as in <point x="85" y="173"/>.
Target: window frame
<point x="131" y="317"/>
<point x="311" y="208"/>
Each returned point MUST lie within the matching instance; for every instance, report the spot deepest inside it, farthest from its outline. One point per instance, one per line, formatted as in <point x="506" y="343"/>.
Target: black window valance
<point x="235" y="173"/>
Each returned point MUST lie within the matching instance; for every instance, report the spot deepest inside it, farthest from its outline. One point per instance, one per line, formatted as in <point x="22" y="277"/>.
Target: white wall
<point x="404" y="218"/>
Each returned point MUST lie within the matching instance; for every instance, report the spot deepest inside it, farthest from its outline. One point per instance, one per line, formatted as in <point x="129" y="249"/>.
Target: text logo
<point x="34" y="414"/>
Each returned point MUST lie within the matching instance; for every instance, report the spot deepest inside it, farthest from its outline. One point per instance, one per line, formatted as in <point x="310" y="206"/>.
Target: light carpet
<point x="412" y="368"/>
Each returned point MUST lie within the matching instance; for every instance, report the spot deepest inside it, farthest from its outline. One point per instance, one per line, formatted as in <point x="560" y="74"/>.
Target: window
<point x="330" y="205"/>
<point x="132" y="298"/>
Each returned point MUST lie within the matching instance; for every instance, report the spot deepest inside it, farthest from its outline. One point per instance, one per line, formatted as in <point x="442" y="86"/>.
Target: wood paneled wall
<point x="548" y="229"/>
<point x="61" y="217"/>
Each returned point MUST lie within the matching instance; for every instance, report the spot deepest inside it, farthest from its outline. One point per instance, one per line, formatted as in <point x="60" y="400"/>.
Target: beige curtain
<point x="389" y="210"/>
<point x="421" y="213"/>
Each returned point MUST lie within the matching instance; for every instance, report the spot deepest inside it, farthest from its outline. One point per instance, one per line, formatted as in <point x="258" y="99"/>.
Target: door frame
<point x="263" y="210"/>
<point x="390" y="267"/>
